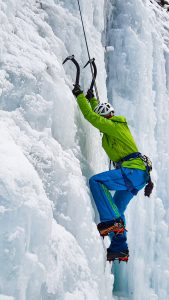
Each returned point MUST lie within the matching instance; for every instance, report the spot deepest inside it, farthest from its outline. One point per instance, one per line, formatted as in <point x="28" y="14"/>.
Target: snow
<point x="49" y="244"/>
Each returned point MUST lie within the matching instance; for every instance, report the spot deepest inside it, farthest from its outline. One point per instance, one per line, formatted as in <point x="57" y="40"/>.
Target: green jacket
<point x="117" y="140"/>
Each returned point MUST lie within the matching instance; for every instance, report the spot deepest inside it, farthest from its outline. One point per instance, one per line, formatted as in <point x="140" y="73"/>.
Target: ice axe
<point x="94" y="71"/>
<point x="72" y="58"/>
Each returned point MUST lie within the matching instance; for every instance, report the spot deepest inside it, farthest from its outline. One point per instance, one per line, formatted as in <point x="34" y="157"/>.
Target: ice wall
<point x="49" y="244"/>
<point x="138" y="72"/>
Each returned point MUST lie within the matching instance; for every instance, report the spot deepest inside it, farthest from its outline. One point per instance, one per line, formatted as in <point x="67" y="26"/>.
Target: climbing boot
<point x="116" y="226"/>
<point x="120" y="256"/>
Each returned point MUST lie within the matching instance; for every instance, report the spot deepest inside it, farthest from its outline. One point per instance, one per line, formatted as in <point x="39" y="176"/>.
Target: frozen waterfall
<point x="49" y="244"/>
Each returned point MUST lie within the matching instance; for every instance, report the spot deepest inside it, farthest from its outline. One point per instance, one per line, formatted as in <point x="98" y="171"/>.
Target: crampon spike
<point x="125" y="259"/>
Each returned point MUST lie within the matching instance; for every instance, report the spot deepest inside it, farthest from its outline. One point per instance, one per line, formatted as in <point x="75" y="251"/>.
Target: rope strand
<point x="95" y="86"/>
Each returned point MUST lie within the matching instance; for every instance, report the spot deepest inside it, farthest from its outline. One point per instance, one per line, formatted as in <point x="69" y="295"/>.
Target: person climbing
<point x="130" y="175"/>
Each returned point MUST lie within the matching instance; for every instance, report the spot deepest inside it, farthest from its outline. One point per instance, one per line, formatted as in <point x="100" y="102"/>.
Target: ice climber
<point x="132" y="169"/>
<point x="130" y="175"/>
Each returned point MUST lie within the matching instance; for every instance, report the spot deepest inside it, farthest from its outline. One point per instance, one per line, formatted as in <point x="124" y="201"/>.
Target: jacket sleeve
<point x="93" y="102"/>
<point x="101" y="123"/>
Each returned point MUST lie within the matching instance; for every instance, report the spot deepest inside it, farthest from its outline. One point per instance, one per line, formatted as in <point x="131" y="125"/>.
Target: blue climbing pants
<point x="109" y="207"/>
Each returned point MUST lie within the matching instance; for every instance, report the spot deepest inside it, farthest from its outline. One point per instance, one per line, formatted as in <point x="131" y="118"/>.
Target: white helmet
<point x="103" y="109"/>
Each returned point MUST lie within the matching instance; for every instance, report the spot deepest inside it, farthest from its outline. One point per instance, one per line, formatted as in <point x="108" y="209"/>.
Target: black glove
<point x="90" y="94"/>
<point x="77" y="90"/>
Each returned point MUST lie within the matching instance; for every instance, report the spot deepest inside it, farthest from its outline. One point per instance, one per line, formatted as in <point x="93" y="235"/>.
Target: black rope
<point x="97" y="95"/>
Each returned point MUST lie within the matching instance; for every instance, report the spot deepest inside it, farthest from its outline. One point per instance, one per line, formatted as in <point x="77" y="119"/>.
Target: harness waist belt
<point x="126" y="158"/>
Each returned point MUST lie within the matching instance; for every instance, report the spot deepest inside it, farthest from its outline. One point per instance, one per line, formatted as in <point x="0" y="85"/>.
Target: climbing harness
<point x="128" y="183"/>
<point x="135" y="155"/>
<point x="87" y="47"/>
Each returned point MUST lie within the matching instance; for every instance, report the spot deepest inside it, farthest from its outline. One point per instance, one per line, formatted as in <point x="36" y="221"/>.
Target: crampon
<point x="125" y="259"/>
<point x="122" y="256"/>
